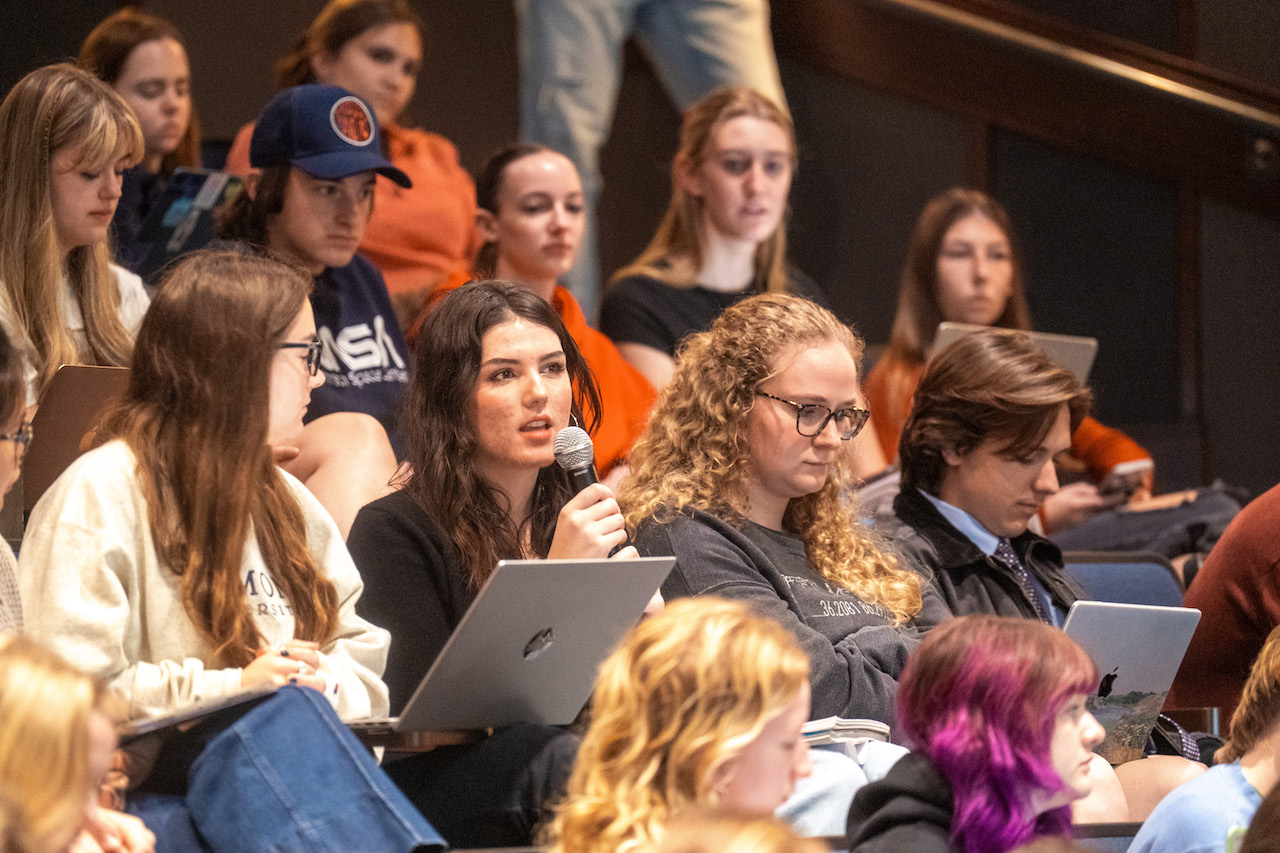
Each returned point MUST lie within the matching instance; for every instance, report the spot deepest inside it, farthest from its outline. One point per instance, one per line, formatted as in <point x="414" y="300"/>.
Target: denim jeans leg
<point x="819" y="806"/>
<point x="289" y="775"/>
<point x="570" y="69"/>
<point x="698" y="46"/>
<point x="169" y="819"/>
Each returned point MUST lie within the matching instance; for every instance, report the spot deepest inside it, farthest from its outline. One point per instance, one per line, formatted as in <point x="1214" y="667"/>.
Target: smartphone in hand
<point x="1125" y="478"/>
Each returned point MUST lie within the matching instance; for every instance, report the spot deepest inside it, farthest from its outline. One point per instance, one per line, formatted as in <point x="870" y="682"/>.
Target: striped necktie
<point x="1009" y="558"/>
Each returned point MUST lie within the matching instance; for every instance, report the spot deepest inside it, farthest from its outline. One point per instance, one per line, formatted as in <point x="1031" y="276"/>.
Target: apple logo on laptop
<point x="1108" y="681"/>
<point x="539" y="644"/>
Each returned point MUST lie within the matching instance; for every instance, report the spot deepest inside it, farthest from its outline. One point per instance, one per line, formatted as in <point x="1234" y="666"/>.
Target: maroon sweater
<point x="1238" y="591"/>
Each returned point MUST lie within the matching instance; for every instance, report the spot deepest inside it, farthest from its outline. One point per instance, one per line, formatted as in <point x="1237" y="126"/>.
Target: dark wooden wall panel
<point x="1099" y="243"/>
<point x="1239" y="315"/>
<point x="868" y="162"/>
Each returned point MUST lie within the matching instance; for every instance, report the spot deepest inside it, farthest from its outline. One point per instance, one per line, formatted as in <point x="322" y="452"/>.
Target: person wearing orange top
<point x="417" y="237"/>
<point x="531" y="217"/>
<point x="963" y="265"/>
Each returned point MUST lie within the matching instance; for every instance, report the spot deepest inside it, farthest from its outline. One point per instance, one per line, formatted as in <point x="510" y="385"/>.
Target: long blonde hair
<point x="50" y="109"/>
<point x="675" y="255"/>
<point x="691" y="455"/>
<point x="687" y="691"/>
<point x="46" y="706"/>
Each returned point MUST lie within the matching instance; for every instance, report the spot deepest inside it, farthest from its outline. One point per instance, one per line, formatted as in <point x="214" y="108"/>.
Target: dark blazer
<point x="968" y="580"/>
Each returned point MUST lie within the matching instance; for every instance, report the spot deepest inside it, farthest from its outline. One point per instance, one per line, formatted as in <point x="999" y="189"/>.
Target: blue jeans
<point x="287" y="775"/>
<point x="819" y="806"/>
<point x="571" y="66"/>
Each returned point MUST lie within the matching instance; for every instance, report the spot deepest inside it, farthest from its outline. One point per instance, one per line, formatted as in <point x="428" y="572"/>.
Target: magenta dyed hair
<point x="979" y="698"/>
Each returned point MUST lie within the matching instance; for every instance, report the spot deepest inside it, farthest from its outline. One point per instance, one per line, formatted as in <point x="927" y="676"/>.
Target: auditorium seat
<point x="1126" y="577"/>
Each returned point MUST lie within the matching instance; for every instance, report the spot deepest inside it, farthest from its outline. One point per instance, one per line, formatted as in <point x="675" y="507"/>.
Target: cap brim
<point x="335" y="165"/>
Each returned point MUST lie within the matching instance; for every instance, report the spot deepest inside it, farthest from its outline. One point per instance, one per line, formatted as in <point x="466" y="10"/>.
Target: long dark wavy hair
<point x="442" y="443"/>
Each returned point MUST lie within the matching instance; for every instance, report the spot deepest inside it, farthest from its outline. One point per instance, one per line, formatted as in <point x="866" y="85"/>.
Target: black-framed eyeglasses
<point x="21" y="439"/>
<point x="812" y="419"/>
<point x="313" y="353"/>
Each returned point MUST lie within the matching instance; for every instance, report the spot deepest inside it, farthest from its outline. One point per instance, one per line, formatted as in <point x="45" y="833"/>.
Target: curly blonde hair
<point x="692" y="454"/>
<point x="687" y="691"/>
<point x="1259" y="710"/>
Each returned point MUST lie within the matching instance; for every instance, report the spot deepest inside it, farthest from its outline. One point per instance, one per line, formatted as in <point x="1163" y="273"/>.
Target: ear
<point x="321" y="64"/>
<point x="952" y="457"/>
<point x="486" y="226"/>
<point x="687" y="176"/>
<point x="719" y="782"/>
<point x="251" y="183"/>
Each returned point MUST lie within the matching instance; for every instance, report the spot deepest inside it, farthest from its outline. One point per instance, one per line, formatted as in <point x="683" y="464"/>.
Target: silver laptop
<point x="1072" y="352"/>
<point x="1138" y="649"/>
<point x="528" y="648"/>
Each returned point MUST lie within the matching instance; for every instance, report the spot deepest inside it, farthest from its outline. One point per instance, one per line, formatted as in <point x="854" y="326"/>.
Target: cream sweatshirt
<point x="94" y="590"/>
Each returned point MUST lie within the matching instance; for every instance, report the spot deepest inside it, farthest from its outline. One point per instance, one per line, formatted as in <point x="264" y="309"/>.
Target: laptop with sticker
<point x="1138" y="649"/>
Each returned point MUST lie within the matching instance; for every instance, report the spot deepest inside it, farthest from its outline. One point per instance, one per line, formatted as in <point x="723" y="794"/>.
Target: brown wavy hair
<point x="106" y="50"/>
<point x="915" y="322"/>
<point x="1259" y="709"/>
<point x="692" y="453"/>
<point x="674" y="255"/>
<point x="245" y="219"/>
<point x="443" y="480"/>
<point x="195" y="416"/>
<point x="52" y="108"/>
<point x="993" y="384"/>
<point x="686" y="692"/>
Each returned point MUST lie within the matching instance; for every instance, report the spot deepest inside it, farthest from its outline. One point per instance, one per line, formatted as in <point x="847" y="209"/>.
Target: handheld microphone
<point x="575" y="454"/>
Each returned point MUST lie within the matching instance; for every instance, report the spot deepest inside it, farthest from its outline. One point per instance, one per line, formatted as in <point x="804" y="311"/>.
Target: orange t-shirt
<point x="626" y="396"/>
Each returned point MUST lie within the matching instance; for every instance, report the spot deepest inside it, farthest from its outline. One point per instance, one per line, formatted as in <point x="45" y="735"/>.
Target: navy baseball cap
<point x="325" y="131"/>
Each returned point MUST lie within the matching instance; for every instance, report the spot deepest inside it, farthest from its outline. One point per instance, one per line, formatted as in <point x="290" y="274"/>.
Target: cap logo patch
<point x="351" y="121"/>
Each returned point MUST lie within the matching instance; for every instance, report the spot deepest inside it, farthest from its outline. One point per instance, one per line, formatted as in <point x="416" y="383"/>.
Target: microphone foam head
<point x="573" y="448"/>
